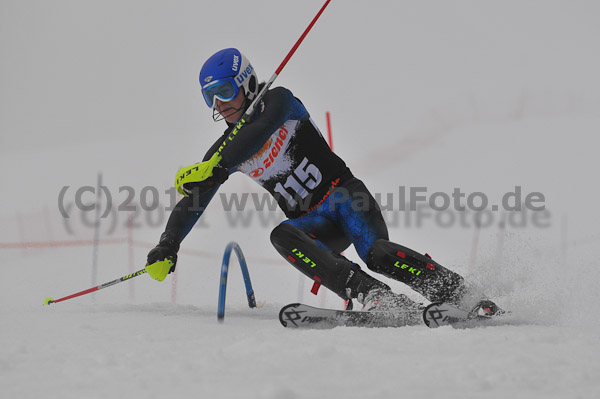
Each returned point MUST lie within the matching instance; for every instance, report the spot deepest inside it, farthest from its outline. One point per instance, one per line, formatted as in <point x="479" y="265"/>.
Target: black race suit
<point x="328" y="208"/>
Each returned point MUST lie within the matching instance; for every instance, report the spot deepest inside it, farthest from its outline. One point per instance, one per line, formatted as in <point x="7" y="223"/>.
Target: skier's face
<point x="232" y="110"/>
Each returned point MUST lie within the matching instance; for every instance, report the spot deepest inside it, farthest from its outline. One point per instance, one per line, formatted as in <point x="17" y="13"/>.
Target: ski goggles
<point x="224" y="89"/>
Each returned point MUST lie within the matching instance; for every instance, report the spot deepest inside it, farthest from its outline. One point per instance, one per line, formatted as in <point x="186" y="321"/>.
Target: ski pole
<point x="260" y="95"/>
<point x="49" y="301"/>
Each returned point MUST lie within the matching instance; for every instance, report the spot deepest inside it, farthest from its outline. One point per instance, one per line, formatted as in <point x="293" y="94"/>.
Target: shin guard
<point x="419" y="272"/>
<point x="324" y="266"/>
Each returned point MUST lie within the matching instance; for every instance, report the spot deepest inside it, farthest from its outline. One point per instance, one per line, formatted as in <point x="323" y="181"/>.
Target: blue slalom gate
<point x="233" y="246"/>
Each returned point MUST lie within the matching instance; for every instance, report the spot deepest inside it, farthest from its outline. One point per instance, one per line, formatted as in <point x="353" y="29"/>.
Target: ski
<point x="443" y="314"/>
<point x="297" y="315"/>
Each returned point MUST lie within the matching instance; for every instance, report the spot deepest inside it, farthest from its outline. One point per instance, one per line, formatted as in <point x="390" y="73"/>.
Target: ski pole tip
<point x="48" y="301"/>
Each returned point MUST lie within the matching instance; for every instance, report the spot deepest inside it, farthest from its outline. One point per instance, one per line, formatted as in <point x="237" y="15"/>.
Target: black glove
<point x="167" y="248"/>
<point x="220" y="174"/>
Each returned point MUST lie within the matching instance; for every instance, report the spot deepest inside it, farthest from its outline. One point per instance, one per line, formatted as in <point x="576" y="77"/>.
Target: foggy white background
<point x="483" y="96"/>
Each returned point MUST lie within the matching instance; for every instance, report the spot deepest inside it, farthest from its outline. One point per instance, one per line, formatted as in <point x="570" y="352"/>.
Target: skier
<point x="328" y="209"/>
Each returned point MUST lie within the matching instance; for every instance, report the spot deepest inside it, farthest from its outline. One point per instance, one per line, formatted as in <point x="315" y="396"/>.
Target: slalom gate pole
<point x="284" y="62"/>
<point x="260" y="95"/>
<point x="50" y="301"/>
<point x="233" y="246"/>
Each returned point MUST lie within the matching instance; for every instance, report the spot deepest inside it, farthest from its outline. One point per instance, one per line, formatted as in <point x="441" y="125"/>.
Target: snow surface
<point x="440" y="94"/>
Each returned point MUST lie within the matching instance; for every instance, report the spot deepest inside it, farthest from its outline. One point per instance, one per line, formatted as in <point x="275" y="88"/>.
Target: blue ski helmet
<point x="224" y="73"/>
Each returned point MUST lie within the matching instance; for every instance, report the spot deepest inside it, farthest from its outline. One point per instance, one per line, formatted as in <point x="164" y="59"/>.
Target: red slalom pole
<point x="250" y="110"/>
<point x="50" y="301"/>
<point x="293" y="50"/>
<point x="260" y="95"/>
<point x="329" y="135"/>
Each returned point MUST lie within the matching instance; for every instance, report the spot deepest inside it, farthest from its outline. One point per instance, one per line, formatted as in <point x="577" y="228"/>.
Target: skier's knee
<point x="284" y="234"/>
